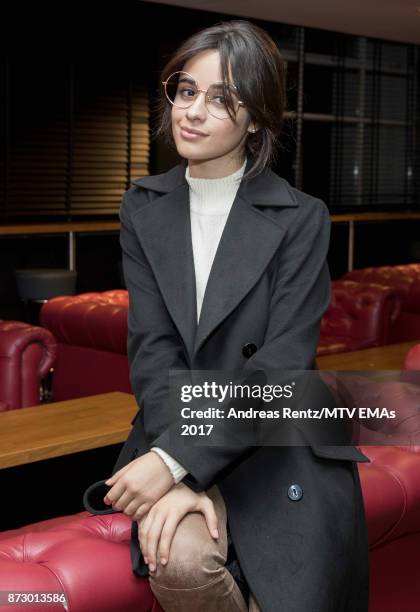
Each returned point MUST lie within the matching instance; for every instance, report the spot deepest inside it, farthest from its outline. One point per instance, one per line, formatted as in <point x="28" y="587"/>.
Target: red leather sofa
<point x="405" y="279"/>
<point x="360" y="315"/>
<point x="87" y="557"/>
<point x="27" y="353"/>
<point x="91" y="331"/>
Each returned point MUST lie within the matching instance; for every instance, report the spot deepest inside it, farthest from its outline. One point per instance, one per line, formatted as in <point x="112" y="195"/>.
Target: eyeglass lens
<point x="181" y="90"/>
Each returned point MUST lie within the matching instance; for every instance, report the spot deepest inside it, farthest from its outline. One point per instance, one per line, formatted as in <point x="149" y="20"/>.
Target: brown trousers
<point x="195" y="578"/>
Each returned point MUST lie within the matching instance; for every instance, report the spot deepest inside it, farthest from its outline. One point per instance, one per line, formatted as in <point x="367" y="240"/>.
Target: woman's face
<point x="222" y="139"/>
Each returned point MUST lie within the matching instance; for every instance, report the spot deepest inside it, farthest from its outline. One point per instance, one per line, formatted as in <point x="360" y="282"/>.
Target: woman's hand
<point x="158" y="528"/>
<point x="139" y="484"/>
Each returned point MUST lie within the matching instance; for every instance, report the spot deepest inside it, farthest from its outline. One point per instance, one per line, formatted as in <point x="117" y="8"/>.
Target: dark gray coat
<point x="268" y="288"/>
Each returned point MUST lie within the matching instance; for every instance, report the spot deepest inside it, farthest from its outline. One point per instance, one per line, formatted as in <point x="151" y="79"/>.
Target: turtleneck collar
<point x="213" y="195"/>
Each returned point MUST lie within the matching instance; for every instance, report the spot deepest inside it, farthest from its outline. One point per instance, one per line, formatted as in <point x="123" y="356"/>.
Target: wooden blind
<point x="373" y="153"/>
<point x="352" y="131"/>
<point x="75" y="134"/>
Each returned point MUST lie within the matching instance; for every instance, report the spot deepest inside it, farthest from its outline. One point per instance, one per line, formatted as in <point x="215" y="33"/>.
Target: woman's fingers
<point x="112" y="479"/>
<point x="141" y="511"/>
<point x="132" y="507"/>
<point x="170" y="525"/>
<point x="156" y="533"/>
<point x="143" y="526"/>
<point x="157" y="529"/>
<point x="152" y="537"/>
<point x="158" y="522"/>
<point x="122" y="493"/>
<point x="115" y="492"/>
<point x="206" y="506"/>
<point x="167" y="536"/>
<point x="125" y="501"/>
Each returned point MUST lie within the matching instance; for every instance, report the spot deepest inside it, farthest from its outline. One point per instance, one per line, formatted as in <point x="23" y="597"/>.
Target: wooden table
<point x="389" y="357"/>
<point x="62" y="428"/>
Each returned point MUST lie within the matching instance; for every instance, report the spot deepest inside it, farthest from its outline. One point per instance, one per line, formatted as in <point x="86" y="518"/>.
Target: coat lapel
<point x="248" y="242"/>
<point x="164" y="230"/>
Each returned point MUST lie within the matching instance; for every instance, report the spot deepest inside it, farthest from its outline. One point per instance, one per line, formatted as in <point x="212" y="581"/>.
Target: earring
<point x="253" y="131"/>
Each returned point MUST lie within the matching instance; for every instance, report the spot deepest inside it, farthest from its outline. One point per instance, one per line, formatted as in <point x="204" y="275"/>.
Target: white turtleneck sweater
<point x="210" y="204"/>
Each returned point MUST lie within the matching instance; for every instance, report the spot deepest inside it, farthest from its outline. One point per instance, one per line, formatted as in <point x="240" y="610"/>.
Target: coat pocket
<point x="351" y="453"/>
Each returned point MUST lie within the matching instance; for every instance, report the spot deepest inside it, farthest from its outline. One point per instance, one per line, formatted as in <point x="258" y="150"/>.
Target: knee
<point x="191" y="564"/>
<point x="185" y="575"/>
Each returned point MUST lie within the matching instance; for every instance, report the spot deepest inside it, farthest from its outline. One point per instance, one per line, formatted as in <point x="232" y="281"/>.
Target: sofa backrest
<point x="91" y="331"/>
<point x="360" y="315"/>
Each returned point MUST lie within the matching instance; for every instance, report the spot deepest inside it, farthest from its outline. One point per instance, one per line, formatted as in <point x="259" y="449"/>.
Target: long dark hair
<point x="258" y="70"/>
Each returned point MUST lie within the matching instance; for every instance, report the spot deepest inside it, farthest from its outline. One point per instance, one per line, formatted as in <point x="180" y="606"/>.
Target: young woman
<point x="225" y="265"/>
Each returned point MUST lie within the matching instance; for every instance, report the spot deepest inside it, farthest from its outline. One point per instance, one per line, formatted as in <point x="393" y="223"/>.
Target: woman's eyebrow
<point x="187" y="80"/>
<point x="193" y="81"/>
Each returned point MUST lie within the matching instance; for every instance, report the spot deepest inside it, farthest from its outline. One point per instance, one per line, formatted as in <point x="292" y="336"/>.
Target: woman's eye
<point x="219" y="100"/>
<point x="188" y="93"/>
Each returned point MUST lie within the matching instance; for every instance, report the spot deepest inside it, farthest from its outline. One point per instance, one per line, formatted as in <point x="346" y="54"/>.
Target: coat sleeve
<point x="301" y="294"/>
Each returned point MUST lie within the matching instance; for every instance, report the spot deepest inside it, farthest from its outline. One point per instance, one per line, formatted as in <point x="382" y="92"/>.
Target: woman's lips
<point x="191" y="136"/>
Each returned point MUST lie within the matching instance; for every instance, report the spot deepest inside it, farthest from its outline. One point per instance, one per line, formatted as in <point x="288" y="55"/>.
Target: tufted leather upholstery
<point x="91" y="331"/>
<point x="391" y="493"/>
<point x="27" y="353"/>
<point x="405" y="279"/>
<point x="359" y="316"/>
<point x="88" y="556"/>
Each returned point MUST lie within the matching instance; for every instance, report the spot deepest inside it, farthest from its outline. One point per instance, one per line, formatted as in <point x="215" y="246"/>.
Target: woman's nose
<point x="198" y="107"/>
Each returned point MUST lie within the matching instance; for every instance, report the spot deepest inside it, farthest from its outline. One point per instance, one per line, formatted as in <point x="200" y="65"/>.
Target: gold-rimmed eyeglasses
<point x="181" y="90"/>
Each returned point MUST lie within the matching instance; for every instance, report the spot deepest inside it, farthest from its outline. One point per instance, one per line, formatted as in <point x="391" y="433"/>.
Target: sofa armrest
<point x="27" y="353"/>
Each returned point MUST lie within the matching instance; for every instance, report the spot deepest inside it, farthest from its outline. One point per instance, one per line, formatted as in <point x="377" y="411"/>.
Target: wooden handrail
<point x="374" y="216"/>
<point x="58" y="228"/>
<point x="101" y="226"/>
<point x="71" y="228"/>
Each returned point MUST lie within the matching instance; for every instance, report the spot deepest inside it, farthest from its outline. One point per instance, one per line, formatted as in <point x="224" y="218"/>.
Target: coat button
<point x="248" y="349"/>
<point x="295" y="492"/>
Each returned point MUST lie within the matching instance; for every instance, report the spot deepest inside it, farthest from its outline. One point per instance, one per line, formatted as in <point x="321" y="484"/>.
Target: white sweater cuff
<point x="176" y="469"/>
